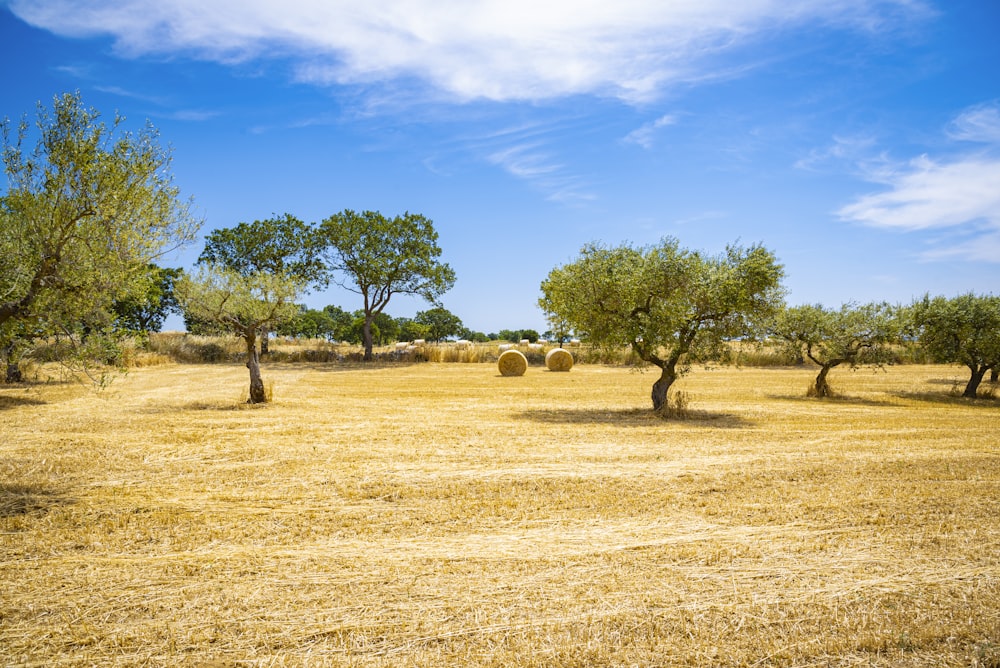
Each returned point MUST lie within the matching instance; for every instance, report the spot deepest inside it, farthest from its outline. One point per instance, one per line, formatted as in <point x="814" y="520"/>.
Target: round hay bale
<point x="559" y="359"/>
<point x="512" y="363"/>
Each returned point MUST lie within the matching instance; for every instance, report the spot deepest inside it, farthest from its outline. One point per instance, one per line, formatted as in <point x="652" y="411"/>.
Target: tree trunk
<point x="366" y="336"/>
<point x="821" y="388"/>
<point x="257" y="395"/>
<point x="11" y="357"/>
<point x="264" y="337"/>
<point x="973" y="386"/>
<point x="662" y="386"/>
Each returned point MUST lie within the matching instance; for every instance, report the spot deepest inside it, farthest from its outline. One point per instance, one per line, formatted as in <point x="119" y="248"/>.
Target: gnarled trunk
<point x="821" y="388"/>
<point x="257" y="394"/>
<point x="662" y="386"/>
<point x="12" y="359"/>
<point x="972" y="387"/>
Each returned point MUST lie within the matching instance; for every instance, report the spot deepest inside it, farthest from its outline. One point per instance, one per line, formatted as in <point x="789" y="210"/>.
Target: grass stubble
<point x="439" y="514"/>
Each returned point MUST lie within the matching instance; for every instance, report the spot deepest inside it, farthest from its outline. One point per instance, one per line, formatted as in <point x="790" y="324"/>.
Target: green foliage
<point x="666" y="302"/>
<point x="440" y="323"/>
<point x="853" y="335"/>
<point x="963" y="329"/>
<point x="85" y="212"/>
<point x="279" y="245"/>
<point x="146" y="309"/>
<point x="377" y="257"/>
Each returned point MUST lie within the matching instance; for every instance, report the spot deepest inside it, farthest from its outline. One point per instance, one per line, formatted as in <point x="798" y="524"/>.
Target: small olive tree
<point x="244" y="304"/>
<point x="964" y="329"/>
<point x="853" y="335"/>
<point x="666" y="302"/>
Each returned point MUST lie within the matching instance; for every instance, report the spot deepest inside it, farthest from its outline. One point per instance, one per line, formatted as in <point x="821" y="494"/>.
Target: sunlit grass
<point x="440" y="515"/>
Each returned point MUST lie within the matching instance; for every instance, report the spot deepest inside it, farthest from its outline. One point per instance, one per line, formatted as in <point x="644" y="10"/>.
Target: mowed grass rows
<point x="443" y="515"/>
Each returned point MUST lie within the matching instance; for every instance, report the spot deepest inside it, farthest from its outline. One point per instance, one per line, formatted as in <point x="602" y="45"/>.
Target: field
<point x="441" y="515"/>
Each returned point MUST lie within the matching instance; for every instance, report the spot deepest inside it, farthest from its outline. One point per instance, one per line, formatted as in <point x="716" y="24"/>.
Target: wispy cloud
<point x="532" y="163"/>
<point x="961" y="193"/>
<point x="927" y="194"/>
<point x="979" y="124"/>
<point x="474" y="49"/>
<point x="646" y="134"/>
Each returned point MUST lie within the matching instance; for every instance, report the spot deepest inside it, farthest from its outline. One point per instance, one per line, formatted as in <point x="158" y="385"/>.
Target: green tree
<point x="308" y="323"/>
<point x="280" y="245"/>
<point x="244" y="304"/>
<point x="342" y="322"/>
<point x="441" y="323"/>
<point x="411" y="330"/>
<point x="964" y="330"/>
<point x="666" y="302"/>
<point x="853" y="335"/>
<point x="146" y="310"/>
<point x="86" y="210"/>
<point x="377" y="257"/>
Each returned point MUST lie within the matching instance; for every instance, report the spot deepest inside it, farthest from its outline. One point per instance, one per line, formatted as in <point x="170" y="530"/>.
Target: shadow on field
<point x="634" y="417"/>
<point x="845" y="399"/>
<point x="21" y="499"/>
<point x="947" y="399"/>
<point x="8" y="401"/>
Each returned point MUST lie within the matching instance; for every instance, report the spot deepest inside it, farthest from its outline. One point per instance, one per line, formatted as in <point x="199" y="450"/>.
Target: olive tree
<point x="244" y="304"/>
<point x="87" y="208"/>
<point x="964" y="329"/>
<point x="378" y="257"/>
<point x="853" y="335"/>
<point x="666" y="302"/>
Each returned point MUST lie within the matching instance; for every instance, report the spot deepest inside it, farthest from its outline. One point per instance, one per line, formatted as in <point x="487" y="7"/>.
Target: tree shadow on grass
<point x="28" y="499"/>
<point x="8" y="401"/>
<point x="948" y="399"/>
<point x="634" y="417"/>
<point x="834" y="400"/>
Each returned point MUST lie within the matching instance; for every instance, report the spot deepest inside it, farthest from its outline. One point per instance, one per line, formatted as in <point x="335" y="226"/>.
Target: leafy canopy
<point x="85" y="212"/>
<point x="963" y="329"/>
<point x="278" y="245"/>
<point x="666" y="302"/>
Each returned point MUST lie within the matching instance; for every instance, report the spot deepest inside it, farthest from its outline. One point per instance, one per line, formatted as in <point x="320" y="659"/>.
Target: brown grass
<point x="438" y="515"/>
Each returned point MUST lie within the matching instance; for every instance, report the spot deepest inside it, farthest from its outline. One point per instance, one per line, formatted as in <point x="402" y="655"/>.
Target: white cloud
<point x="467" y="49"/>
<point x="644" y="135"/>
<point x="924" y="194"/>
<point x="980" y="124"/>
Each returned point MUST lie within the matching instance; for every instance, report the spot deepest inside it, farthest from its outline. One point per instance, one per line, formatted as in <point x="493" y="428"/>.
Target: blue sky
<point x="859" y="140"/>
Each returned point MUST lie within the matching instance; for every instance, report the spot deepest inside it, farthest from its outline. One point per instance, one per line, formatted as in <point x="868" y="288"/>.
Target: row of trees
<point x="673" y="306"/>
<point x="435" y="324"/>
<point x="89" y="209"/>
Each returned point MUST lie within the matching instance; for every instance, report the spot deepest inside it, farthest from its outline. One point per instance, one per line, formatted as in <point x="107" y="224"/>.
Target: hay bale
<point x="505" y="346"/>
<point x="512" y="363"/>
<point x="559" y="359"/>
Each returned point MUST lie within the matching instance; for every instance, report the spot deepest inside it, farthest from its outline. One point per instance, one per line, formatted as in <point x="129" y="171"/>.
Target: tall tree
<point x="244" y="304"/>
<point x="853" y="335"/>
<point x="378" y="257"/>
<point x="280" y="245"/>
<point x="964" y="329"/>
<point x="666" y="302"/>
<point x="86" y="210"/>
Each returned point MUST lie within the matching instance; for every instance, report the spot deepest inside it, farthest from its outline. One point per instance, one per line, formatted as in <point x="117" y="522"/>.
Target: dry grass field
<point x="442" y="515"/>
